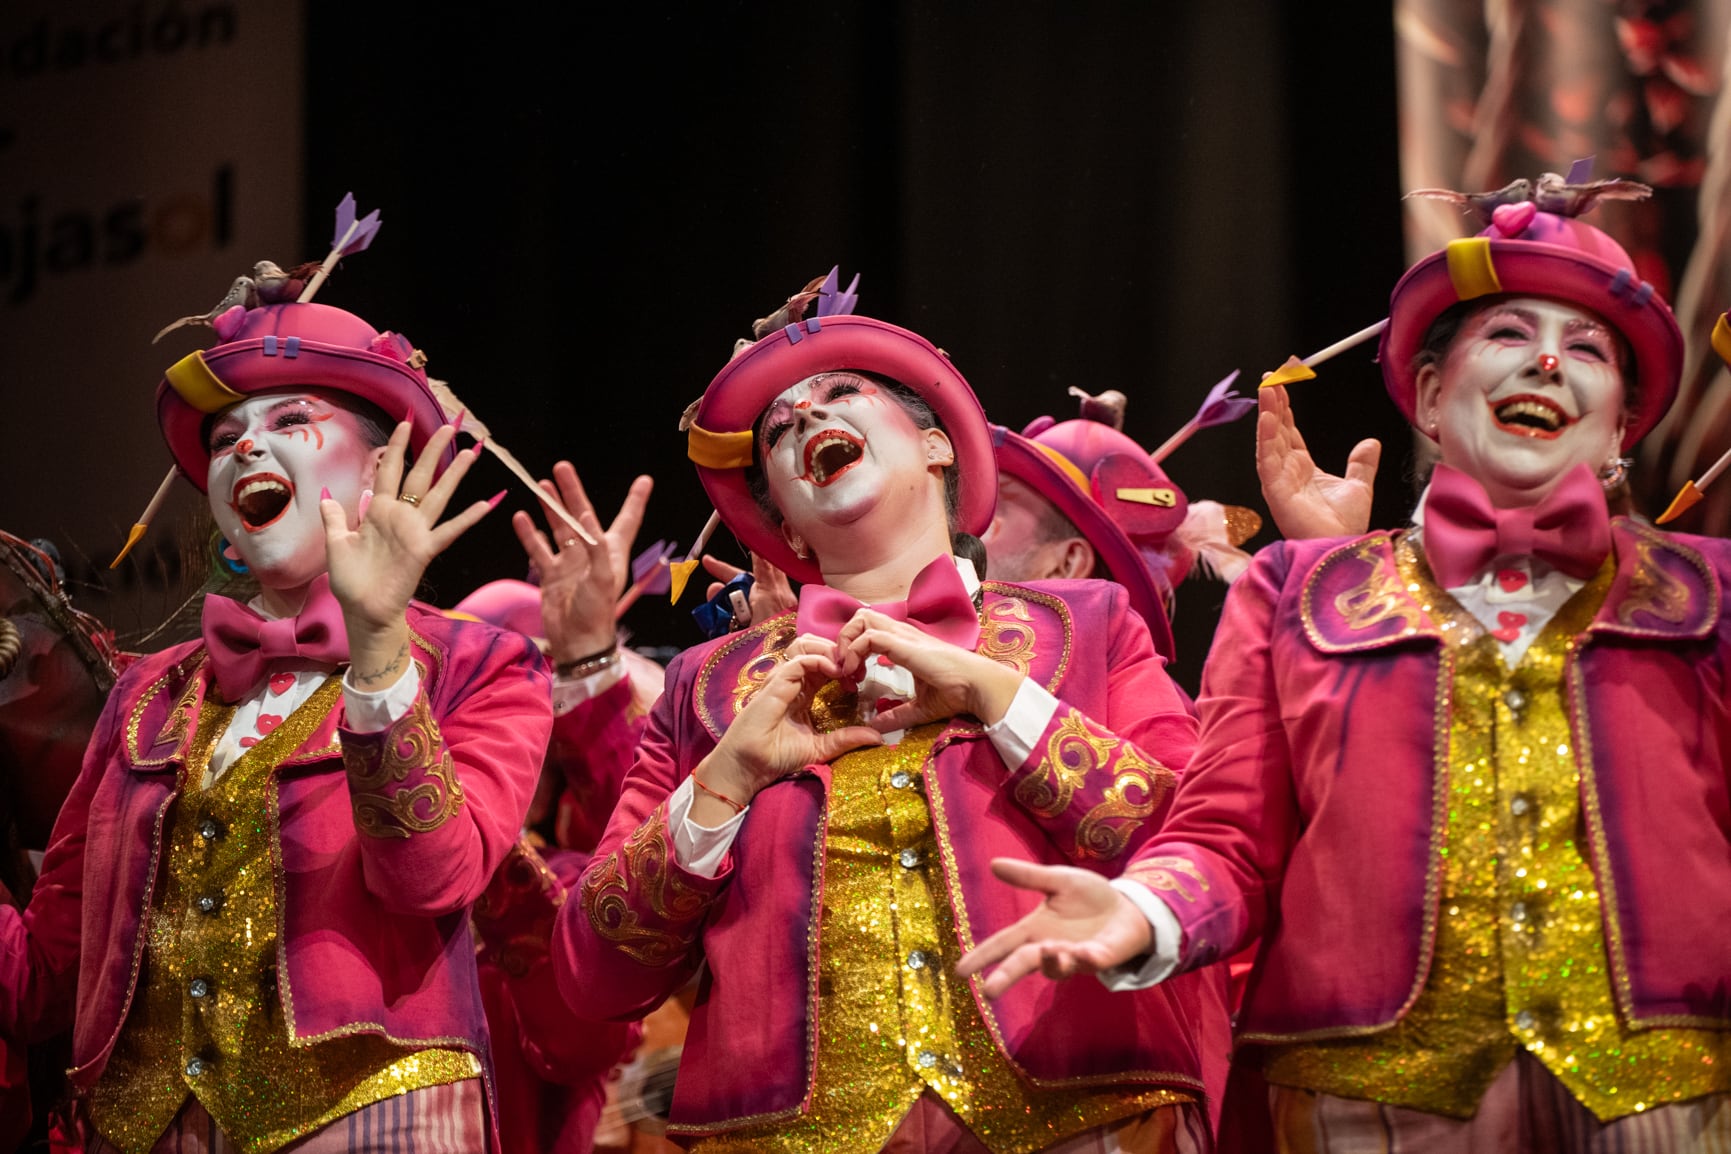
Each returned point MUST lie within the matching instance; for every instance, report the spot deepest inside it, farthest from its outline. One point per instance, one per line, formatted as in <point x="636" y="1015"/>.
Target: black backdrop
<point x="585" y="205"/>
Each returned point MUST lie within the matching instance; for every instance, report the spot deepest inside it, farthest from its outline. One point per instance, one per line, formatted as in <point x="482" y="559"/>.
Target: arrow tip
<point x="679" y="572"/>
<point x="1686" y="499"/>
<point x="133" y="537"/>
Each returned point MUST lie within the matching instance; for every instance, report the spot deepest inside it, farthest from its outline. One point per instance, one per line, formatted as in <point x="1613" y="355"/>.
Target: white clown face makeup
<point x="838" y="446"/>
<point x="1528" y="389"/>
<point x="270" y="456"/>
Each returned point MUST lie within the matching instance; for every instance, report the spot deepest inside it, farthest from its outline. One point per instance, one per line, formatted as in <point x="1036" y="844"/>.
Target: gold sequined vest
<point x="894" y="1021"/>
<point x="1520" y="956"/>
<point x="207" y="1016"/>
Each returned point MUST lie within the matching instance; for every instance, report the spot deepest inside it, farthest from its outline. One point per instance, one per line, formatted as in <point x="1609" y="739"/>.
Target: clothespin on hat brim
<point x="679" y="572"/>
<point x="1692" y="493"/>
<point x="1301" y="370"/>
<point x="136" y="533"/>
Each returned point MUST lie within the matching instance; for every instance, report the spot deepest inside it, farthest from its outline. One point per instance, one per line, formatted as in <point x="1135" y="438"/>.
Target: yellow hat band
<point x="1471" y="269"/>
<point x="718" y="450"/>
<point x="198" y="386"/>
<point x="1064" y="463"/>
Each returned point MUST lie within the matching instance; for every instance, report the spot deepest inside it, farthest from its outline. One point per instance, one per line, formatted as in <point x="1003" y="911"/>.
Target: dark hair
<point x="923" y="417"/>
<point x="1450" y="321"/>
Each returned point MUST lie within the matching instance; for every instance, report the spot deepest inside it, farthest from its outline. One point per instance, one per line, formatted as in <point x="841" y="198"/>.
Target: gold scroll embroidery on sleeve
<point x="413" y="745"/>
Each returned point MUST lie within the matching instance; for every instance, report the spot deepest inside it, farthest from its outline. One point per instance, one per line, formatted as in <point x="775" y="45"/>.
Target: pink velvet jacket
<point x="1096" y="786"/>
<point x="1315" y="811"/>
<point x="374" y="926"/>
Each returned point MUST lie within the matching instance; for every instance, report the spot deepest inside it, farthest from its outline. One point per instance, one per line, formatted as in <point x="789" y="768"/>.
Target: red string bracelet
<point x="738" y="807"/>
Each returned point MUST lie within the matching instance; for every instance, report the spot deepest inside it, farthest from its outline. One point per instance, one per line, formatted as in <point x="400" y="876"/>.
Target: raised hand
<point x="1304" y="500"/>
<point x="1084" y="926"/>
<point x="771" y="595"/>
<point x="947" y="678"/>
<point x="377" y="563"/>
<point x="773" y="735"/>
<point x="580" y="583"/>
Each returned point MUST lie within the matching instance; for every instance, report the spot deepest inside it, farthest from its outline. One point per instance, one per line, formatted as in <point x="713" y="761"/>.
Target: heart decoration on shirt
<point x="281" y="683"/>
<point x="1511" y="625"/>
<point x="1511" y="579"/>
<point x="248" y="742"/>
<point x="269" y="721"/>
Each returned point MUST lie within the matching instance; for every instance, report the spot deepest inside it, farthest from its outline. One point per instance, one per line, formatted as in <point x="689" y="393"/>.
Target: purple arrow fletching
<point x="1581" y="171"/>
<point x="652" y="563"/>
<point x="1223" y="405"/>
<point x="833" y="300"/>
<point x="364" y="233"/>
<point x="647" y="560"/>
<point x="345" y="218"/>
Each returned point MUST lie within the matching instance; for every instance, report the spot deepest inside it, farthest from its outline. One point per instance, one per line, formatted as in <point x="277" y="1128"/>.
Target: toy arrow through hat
<point x="1297" y="370"/>
<point x="1222" y="406"/>
<point x="351" y="236"/>
<point x="136" y="533"/>
<point x="681" y="571"/>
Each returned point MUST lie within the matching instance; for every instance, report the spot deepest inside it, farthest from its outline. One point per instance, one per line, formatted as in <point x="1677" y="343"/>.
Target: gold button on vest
<point x="893" y="1019"/>
<point x="207" y="1015"/>
<point x="1520" y="954"/>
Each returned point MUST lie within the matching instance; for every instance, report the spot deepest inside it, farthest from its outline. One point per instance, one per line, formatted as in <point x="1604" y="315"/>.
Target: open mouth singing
<point x="830" y="454"/>
<point x="1530" y="416"/>
<point x="261" y="499"/>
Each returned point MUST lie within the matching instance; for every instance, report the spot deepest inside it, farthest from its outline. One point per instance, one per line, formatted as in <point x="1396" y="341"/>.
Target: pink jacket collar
<point x="1354" y="598"/>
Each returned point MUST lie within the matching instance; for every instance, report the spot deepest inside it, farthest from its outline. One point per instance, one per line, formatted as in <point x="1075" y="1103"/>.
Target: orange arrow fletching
<point x="1293" y="370"/>
<point x="1686" y="499"/>
<point x="680" y="572"/>
<point x="133" y="537"/>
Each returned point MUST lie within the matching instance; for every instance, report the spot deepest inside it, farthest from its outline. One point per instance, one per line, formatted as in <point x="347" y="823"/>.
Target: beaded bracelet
<point x="584" y="666"/>
<point x="738" y="807"/>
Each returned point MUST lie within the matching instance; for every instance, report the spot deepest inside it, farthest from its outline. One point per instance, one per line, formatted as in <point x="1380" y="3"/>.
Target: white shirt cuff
<point x="365" y="712"/>
<point x="1015" y="734"/>
<point x="1157" y="965"/>
<point x="570" y="692"/>
<point x="697" y="848"/>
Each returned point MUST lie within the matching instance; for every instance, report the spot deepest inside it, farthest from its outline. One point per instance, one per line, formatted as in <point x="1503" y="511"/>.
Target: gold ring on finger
<point x="410" y="498"/>
<point x="570" y="542"/>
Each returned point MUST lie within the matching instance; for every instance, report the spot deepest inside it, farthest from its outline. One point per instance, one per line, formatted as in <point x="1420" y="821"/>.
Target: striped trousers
<point x="1526" y="1111"/>
<point x="931" y="1127"/>
<point x="437" y="1120"/>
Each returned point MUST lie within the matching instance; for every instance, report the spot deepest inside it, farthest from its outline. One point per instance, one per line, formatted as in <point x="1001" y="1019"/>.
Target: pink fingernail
<point x="325" y="494"/>
<point x="479" y="445"/>
<point x="457" y="425"/>
<point x="366" y="500"/>
<point x="493" y="501"/>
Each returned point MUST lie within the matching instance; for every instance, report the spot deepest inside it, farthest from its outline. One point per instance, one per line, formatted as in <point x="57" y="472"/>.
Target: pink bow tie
<point x="243" y="645"/>
<point x="1463" y="533"/>
<point x="938" y="604"/>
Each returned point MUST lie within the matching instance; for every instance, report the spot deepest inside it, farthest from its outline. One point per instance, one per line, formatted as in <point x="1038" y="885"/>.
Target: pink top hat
<point x="288" y="346"/>
<point x="722" y="446"/>
<point x="1530" y="252"/>
<point x="1113" y="492"/>
<point x="507" y="603"/>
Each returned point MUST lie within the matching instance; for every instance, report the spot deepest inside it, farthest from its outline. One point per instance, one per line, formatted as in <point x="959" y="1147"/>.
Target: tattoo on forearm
<point x="394" y="665"/>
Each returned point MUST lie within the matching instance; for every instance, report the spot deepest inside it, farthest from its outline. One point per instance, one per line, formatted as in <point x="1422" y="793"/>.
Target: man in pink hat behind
<point x="254" y="908"/>
<point x="1467" y="782"/>
<point x="817" y="797"/>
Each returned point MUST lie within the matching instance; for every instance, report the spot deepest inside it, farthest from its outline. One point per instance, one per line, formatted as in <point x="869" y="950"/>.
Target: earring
<point x="1614" y="472"/>
<point x="797" y="544"/>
